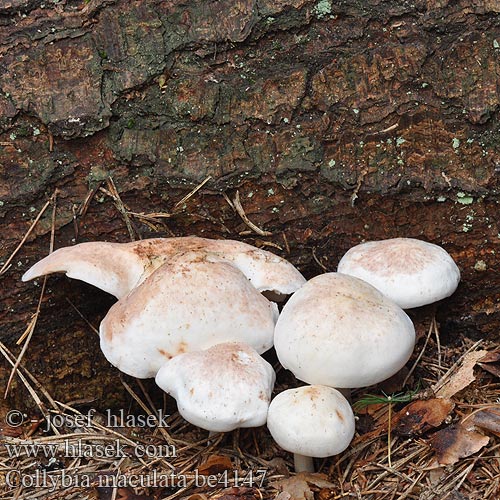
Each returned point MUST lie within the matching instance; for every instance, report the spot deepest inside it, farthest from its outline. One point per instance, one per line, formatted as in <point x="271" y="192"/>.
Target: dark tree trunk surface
<point x="336" y="122"/>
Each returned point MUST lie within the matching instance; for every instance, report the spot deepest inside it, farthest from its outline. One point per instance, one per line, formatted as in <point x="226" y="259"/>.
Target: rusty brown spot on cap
<point x="183" y="347"/>
<point x="312" y="392"/>
<point x="165" y="353"/>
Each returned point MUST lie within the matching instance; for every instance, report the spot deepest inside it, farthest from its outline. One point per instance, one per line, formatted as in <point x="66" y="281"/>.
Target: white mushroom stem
<point x="211" y="437"/>
<point x="303" y="463"/>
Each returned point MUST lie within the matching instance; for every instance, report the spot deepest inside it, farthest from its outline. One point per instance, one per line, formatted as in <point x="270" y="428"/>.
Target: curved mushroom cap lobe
<point x="119" y="267"/>
<point x="108" y="266"/>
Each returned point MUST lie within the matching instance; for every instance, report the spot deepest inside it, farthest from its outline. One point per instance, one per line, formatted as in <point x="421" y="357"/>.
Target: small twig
<point x="287" y="246"/>
<point x="419" y="357"/>
<point x="191" y="193"/>
<point x="26" y="236"/>
<point x="28" y="386"/>
<point x="438" y="342"/>
<point x="320" y="264"/>
<point x="75" y="221"/>
<point x="229" y="202"/>
<point x="262" y="243"/>
<point x="92" y="327"/>
<point x="28" y="333"/>
<point x="120" y="206"/>
<point x="153" y="216"/>
<point x="388" y="129"/>
<point x="361" y="177"/>
<point x="144" y="406"/>
<point x="86" y="203"/>
<point x="441" y="382"/>
<point x="238" y="207"/>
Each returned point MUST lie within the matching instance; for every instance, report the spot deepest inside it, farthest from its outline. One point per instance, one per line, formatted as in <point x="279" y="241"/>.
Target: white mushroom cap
<point x="112" y="267"/>
<point x="315" y="421"/>
<point x="411" y="272"/>
<point x="339" y="331"/>
<point x="117" y="268"/>
<point x="220" y="389"/>
<point x="190" y="303"/>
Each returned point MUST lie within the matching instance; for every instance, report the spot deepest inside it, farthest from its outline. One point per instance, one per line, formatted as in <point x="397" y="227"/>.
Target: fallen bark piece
<point x="302" y="486"/>
<point x="238" y="493"/>
<point x="215" y="464"/>
<point x="114" y="493"/>
<point x="463" y="377"/>
<point x="420" y="416"/>
<point x="456" y="442"/>
<point x="487" y="363"/>
<point x="487" y="419"/>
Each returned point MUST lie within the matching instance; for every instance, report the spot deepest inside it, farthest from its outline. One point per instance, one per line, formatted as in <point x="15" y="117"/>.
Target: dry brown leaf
<point x="463" y="377"/>
<point x="128" y="494"/>
<point x="121" y="494"/>
<point x="108" y="492"/>
<point x="302" y="486"/>
<point x="237" y="493"/>
<point x="215" y="464"/>
<point x="283" y="495"/>
<point x="196" y="496"/>
<point x="420" y="416"/>
<point x="456" y="442"/>
<point x="486" y="363"/>
<point x="487" y="419"/>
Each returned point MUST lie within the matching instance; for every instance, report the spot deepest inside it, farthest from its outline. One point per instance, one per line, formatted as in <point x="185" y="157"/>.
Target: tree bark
<point x="335" y="122"/>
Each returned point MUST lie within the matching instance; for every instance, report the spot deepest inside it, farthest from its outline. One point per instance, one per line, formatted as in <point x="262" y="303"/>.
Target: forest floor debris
<point x="428" y="448"/>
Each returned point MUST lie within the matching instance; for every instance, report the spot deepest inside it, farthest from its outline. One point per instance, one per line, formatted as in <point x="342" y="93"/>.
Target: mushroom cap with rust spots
<point x="340" y="331"/>
<point x="411" y="272"/>
<point x="190" y="303"/>
<point x="222" y="388"/>
<point x="315" y="421"/>
<point x="117" y="268"/>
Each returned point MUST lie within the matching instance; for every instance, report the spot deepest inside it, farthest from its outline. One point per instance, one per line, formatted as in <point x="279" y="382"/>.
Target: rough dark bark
<point x="336" y="121"/>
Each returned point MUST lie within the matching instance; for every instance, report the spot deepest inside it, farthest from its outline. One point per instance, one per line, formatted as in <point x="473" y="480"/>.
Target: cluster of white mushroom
<point x="348" y="330"/>
<point x="189" y="304"/>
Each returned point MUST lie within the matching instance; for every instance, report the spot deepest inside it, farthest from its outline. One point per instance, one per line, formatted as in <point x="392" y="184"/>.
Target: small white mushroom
<point x="117" y="268"/>
<point x="223" y="388"/>
<point x="190" y="303"/>
<point x="340" y="331"/>
<point x="411" y="272"/>
<point x="311" y="421"/>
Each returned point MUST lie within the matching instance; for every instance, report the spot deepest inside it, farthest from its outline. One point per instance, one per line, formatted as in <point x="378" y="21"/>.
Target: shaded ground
<point x="178" y="461"/>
